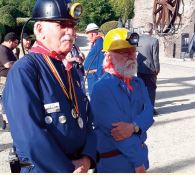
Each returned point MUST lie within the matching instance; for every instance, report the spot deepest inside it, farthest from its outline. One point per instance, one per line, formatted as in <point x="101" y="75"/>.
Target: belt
<point x="92" y="71"/>
<point x="110" y="154"/>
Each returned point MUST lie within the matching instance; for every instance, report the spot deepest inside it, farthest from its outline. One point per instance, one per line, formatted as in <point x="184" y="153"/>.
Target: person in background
<point x="7" y="59"/>
<point x="148" y="61"/>
<point x="94" y="59"/>
<point x="26" y="44"/>
<point x="76" y="57"/>
<point x="120" y="23"/>
<point x="48" y="112"/>
<point x="122" y="109"/>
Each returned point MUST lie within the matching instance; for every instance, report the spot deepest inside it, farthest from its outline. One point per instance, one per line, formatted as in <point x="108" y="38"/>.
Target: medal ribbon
<point x="70" y="83"/>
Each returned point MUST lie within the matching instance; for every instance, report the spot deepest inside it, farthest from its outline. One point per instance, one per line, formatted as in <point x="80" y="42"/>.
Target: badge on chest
<point x="52" y="107"/>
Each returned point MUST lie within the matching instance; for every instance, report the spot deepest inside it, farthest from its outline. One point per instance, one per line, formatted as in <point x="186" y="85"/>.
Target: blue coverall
<point x="96" y="57"/>
<point x="112" y="102"/>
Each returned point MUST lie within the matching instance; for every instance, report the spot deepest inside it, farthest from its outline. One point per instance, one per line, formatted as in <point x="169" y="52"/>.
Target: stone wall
<point x="143" y="13"/>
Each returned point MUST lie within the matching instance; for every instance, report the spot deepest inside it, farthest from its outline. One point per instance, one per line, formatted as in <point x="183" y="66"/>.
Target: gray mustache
<point x="67" y="38"/>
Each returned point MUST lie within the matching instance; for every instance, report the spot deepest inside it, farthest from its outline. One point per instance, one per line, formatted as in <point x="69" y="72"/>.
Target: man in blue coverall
<point x="46" y="108"/>
<point x="94" y="59"/>
<point x="122" y="108"/>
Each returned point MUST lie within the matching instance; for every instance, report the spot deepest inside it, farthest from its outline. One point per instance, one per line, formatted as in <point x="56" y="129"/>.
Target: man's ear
<point x="38" y="29"/>
<point x="107" y="56"/>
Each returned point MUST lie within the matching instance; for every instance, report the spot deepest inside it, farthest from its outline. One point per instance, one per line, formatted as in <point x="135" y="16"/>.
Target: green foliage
<point x="2" y="31"/>
<point x="97" y="11"/>
<point x="10" y="10"/>
<point x="123" y="8"/>
<point x="23" y="6"/>
<point x="26" y="7"/>
<point x="13" y="11"/>
<point x="8" y="20"/>
<point x="107" y="26"/>
<point x="21" y="21"/>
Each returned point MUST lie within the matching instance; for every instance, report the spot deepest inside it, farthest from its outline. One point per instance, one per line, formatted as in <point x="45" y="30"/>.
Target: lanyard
<point x="71" y="94"/>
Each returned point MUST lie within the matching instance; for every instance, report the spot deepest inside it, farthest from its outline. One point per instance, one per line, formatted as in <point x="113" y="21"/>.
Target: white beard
<point x="128" y="70"/>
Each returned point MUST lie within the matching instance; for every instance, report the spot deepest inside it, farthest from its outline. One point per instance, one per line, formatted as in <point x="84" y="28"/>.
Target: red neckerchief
<point x="38" y="47"/>
<point x="110" y="69"/>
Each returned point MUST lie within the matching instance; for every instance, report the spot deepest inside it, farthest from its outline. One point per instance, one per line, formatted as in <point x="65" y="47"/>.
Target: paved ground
<point x="171" y="139"/>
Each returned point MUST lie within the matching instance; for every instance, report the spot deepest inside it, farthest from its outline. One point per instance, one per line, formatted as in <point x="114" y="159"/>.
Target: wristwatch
<point x="136" y="127"/>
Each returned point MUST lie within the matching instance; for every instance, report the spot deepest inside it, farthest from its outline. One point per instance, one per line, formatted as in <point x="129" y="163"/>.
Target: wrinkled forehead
<point x="129" y="51"/>
<point x="63" y="23"/>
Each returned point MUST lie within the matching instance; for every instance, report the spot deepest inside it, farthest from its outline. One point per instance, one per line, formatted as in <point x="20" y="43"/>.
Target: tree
<point x="7" y="14"/>
<point x="123" y="8"/>
<point x="2" y="32"/>
<point x="96" y="11"/>
<point x="12" y="9"/>
<point x="26" y="7"/>
<point x="8" y="20"/>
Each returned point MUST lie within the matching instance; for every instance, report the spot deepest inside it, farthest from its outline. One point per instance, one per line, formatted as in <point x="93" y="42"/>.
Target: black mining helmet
<point x="54" y="10"/>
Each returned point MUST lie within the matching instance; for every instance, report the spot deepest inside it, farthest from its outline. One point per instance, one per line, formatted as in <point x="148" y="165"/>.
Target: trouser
<point x="3" y="118"/>
<point x="91" y="80"/>
<point x="150" y="82"/>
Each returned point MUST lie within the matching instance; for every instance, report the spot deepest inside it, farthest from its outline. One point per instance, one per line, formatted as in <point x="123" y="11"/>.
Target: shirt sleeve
<point x="156" y="55"/>
<point x="6" y="56"/>
<point x="145" y="118"/>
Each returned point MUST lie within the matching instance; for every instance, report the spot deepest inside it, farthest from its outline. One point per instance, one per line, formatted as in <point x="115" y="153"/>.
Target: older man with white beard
<point x="122" y="109"/>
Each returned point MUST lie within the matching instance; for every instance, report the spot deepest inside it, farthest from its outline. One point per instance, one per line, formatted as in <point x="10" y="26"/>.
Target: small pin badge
<point x="48" y="120"/>
<point x="62" y="119"/>
<point x="74" y="113"/>
<point x="80" y="122"/>
<point x="87" y="105"/>
<point x="78" y="84"/>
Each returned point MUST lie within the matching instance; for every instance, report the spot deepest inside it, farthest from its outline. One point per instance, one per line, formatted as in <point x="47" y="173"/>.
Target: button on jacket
<point x="42" y="137"/>
<point x="111" y="102"/>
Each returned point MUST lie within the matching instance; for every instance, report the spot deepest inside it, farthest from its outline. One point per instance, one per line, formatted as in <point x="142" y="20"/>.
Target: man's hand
<point x="82" y="165"/>
<point x="140" y="169"/>
<point x="122" y="130"/>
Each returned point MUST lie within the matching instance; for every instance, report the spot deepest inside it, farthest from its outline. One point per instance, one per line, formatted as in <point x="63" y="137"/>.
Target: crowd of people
<point x="58" y="126"/>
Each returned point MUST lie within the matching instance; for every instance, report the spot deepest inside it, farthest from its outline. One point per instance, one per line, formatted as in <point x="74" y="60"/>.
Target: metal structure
<point x="165" y="13"/>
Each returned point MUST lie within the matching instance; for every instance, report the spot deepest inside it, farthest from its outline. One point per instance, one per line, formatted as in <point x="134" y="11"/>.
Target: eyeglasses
<point x="16" y="42"/>
<point x="126" y="51"/>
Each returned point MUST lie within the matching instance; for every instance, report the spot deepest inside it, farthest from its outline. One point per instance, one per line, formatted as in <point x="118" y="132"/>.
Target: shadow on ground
<point x="174" y="167"/>
<point x="3" y="147"/>
<point x="170" y="106"/>
<point x="164" y="122"/>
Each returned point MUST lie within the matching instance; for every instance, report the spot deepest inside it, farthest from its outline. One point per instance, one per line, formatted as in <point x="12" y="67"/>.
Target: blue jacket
<point x="49" y="145"/>
<point x="98" y="56"/>
<point x="112" y="102"/>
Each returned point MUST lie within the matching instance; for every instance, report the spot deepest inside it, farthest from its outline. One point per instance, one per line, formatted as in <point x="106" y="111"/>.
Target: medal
<point x="80" y="122"/>
<point x="74" y="113"/>
<point x="78" y="84"/>
<point x="48" y="120"/>
<point x="62" y="119"/>
<point x="87" y="104"/>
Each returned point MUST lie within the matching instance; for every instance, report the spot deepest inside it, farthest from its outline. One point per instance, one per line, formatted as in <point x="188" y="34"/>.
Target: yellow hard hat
<point x="119" y="38"/>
